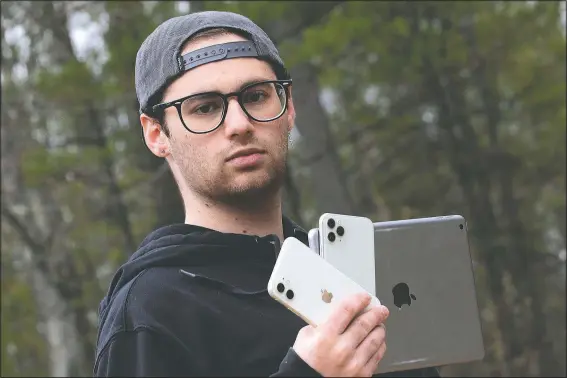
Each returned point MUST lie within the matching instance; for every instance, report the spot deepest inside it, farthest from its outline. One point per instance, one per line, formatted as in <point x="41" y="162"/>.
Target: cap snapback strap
<point x="217" y="52"/>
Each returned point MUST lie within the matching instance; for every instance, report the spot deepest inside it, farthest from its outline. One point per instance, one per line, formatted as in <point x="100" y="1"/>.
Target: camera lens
<point x="331" y="237"/>
<point x="340" y="231"/>
<point x="461" y="226"/>
<point x="289" y="294"/>
<point x="331" y="223"/>
<point x="280" y="287"/>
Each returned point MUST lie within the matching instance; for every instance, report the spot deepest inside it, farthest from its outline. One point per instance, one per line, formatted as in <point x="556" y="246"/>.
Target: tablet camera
<point x="331" y="223"/>
<point x="340" y="231"/>
<point x="280" y="287"/>
<point x="331" y="236"/>
<point x="289" y="294"/>
<point x="461" y="226"/>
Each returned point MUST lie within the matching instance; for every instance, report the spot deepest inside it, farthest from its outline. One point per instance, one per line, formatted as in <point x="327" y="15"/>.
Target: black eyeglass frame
<point x="238" y="94"/>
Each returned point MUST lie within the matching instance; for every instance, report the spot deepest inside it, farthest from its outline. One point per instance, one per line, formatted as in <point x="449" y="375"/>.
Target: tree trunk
<point x="463" y="153"/>
<point x="292" y="198"/>
<point x="65" y="352"/>
<point x="526" y="269"/>
<point x="316" y="145"/>
<point x="528" y="274"/>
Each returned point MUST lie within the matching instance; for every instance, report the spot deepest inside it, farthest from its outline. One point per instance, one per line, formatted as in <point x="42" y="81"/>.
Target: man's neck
<point x="260" y="220"/>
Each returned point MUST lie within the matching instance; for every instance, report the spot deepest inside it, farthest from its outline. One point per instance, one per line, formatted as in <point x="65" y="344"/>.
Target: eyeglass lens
<point x="262" y="102"/>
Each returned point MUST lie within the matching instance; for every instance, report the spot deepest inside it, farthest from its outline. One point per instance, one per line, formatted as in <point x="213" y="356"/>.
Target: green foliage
<point x="24" y="352"/>
<point x="70" y="86"/>
<point x="39" y="165"/>
<point x="258" y="11"/>
<point x="130" y="26"/>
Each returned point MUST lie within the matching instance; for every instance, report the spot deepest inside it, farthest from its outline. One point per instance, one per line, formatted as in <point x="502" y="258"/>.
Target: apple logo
<point x="326" y="296"/>
<point x="402" y="295"/>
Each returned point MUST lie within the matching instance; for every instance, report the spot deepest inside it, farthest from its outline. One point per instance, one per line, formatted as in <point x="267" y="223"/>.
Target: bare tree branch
<point x="18" y="225"/>
<point x="291" y="27"/>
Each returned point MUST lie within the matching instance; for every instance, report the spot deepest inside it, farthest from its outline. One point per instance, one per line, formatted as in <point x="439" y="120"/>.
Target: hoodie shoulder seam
<point x="116" y="334"/>
<point x="127" y="301"/>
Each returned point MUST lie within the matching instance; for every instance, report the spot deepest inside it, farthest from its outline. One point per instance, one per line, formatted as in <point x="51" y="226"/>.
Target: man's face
<point x="203" y="160"/>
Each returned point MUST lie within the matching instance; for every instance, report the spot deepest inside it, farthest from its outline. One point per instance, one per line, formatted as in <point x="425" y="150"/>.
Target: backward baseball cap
<point x="159" y="61"/>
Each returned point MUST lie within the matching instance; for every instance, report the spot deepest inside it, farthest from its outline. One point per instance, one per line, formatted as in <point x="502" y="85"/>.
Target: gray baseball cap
<point x="159" y="61"/>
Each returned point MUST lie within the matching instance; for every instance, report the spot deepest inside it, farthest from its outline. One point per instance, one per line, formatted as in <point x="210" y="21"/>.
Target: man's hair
<point x="159" y="116"/>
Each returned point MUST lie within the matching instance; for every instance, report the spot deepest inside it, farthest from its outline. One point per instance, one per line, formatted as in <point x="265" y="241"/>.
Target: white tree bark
<point x="60" y="333"/>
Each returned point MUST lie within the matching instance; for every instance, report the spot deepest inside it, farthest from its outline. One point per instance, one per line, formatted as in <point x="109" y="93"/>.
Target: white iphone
<point x="308" y="285"/>
<point x="347" y="242"/>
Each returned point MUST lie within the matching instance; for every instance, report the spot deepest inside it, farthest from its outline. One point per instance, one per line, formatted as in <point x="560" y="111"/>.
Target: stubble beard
<point x="216" y="185"/>
<point x="255" y="193"/>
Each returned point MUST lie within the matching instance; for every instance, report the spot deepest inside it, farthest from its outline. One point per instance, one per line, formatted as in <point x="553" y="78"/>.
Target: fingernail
<point x="385" y="311"/>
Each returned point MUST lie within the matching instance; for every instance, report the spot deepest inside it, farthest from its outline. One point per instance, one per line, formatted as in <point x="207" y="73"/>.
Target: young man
<point x="216" y="103"/>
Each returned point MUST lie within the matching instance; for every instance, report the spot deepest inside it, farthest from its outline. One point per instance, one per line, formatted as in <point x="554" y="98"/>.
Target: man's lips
<point x="246" y="152"/>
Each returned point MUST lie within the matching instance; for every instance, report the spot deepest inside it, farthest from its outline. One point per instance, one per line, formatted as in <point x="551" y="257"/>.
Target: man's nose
<point x="236" y="121"/>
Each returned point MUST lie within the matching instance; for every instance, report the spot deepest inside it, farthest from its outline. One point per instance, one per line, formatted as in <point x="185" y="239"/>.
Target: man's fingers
<point x="364" y="324"/>
<point x="345" y="312"/>
<point x="306" y="331"/>
<point x="371" y="344"/>
<point x="372" y="364"/>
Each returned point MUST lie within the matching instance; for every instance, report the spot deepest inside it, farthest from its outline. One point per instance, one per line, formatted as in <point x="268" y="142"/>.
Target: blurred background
<point x="405" y="109"/>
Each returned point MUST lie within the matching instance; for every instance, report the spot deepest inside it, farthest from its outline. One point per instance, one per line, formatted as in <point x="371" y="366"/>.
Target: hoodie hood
<point x="188" y="245"/>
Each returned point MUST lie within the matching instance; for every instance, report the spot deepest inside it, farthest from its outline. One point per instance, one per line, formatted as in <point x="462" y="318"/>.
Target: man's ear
<point x="155" y="138"/>
<point x="290" y="111"/>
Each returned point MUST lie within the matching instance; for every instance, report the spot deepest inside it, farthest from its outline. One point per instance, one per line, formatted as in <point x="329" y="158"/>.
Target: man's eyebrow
<point x="240" y="86"/>
<point x="252" y="81"/>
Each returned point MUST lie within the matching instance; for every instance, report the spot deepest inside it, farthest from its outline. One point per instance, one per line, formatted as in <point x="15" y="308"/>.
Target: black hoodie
<point x="193" y="301"/>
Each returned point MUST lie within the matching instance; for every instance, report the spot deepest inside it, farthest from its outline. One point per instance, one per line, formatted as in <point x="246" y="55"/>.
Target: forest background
<point x="405" y="109"/>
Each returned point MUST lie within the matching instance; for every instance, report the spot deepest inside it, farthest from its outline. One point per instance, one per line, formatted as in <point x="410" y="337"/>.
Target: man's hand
<point x="347" y="344"/>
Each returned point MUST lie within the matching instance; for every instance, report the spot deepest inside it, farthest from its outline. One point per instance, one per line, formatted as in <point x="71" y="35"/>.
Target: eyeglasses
<point x="203" y="113"/>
